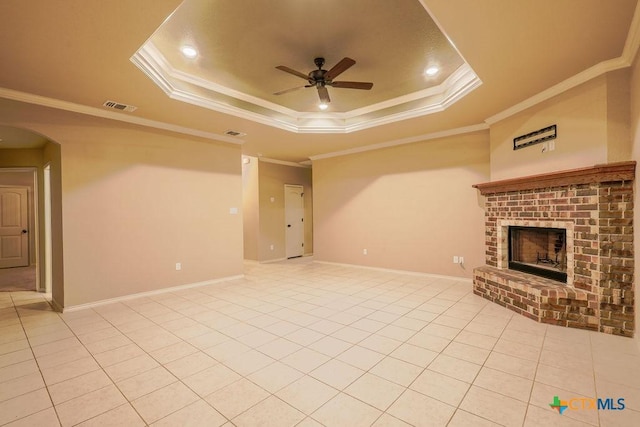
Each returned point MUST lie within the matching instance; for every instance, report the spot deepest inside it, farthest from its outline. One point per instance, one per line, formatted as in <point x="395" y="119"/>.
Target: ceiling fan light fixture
<point x="189" y="51"/>
<point x="323" y="106"/>
<point x="431" y="71"/>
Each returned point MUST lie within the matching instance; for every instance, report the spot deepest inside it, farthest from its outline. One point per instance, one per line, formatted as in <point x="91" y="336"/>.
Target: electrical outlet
<point x="552" y="145"/>
<point x="461" y="259"/>
<point x="364" y="252"/>
<point x="456" y="260"/>
<point x="178" y="266"/>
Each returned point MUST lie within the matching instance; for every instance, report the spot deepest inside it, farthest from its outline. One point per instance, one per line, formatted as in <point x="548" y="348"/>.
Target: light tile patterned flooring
<point x="307" y="344"/>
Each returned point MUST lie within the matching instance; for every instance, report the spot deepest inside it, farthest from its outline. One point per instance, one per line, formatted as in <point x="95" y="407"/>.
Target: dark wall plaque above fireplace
<point x="535" y="137"/>
<point x="539" y="251"/>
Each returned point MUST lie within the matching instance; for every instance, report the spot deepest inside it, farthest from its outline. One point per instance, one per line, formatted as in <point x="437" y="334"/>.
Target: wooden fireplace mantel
<point x="621" y="171"/>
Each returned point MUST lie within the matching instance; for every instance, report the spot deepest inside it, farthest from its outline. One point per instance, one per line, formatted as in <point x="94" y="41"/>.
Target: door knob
<point x="288" y="225"/>
<point x="24" y="231"/>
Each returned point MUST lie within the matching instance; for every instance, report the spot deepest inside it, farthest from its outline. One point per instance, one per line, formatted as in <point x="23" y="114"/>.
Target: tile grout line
<point x="35" y="360"/>
<point x="113" y="382"/>
<point x="160" y="364"/>
<point x="470" y="384"/>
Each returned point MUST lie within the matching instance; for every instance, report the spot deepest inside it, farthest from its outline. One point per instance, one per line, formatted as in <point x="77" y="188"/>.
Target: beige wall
<point x="618" y="113"/>
<point x="635" y="155"/>
<point x="581" y="117"/>
<point x="135" y="204"/>
<point x="136" y="201"/>
<point x="250" y="207"/>
<point x="272" y="179"/>
<point x="412" y="206"/>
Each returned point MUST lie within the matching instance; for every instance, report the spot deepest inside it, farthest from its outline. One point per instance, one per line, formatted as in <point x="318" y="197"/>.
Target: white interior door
<point x="294" y="220"/>
<point x="14" y="219"/>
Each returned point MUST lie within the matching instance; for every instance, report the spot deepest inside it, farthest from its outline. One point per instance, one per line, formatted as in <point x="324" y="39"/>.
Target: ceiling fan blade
<point x="339" y="68"/>
<point x="292" y="71"/>
<point x="324" y="94"/>
<point x="353" y="85"/>
<point x="282" y="92"/>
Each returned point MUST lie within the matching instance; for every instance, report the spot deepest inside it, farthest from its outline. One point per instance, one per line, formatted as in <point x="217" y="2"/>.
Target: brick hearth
<point x="595" y="205"/>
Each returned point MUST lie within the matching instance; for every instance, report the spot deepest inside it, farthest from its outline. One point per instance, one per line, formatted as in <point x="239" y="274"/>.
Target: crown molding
<point x="404" y="141"/>
<point x="194" y="90"/>
<point x="111" y="115"/>
<point x="284" y="163"/>
<point x="632" y="43"/>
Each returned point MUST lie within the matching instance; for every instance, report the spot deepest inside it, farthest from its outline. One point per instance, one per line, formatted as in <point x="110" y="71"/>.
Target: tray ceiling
<point x="238" y="50"/>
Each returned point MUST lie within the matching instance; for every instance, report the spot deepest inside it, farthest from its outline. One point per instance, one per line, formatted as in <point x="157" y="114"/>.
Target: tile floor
<point x="306" y="344"/>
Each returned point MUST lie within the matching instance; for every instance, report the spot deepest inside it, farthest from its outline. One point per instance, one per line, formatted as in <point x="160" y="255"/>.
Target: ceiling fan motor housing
<point x="317" y="76"/>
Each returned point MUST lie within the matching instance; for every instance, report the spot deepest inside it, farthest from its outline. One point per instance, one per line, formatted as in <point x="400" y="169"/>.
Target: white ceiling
<point x="77" y="54"/>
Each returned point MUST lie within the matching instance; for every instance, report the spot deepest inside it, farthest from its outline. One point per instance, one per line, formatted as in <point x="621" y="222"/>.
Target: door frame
<point x="36" y="219"/>
<point x="286" y="243"/>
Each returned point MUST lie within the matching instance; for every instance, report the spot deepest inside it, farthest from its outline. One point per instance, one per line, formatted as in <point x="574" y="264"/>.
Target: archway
<point x="33" y="160"/>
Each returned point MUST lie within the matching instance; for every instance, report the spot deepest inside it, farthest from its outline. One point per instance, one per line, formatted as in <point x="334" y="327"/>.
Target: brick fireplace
<point x="595" y="208"/>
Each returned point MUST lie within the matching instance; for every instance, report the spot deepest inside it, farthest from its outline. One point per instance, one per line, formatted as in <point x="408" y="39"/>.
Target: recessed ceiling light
<point x="323" y="106"/>
<point x="431" y="71"/>
<point x="189" y="51"/>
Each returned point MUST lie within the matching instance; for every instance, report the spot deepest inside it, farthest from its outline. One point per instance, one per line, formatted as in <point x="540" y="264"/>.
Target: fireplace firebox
<point x="539" y="251"/>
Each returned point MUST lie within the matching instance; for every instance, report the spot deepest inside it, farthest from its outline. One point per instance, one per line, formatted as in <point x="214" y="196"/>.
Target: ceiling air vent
<point x="119" y="106"/>
<point x="235" y="133"/>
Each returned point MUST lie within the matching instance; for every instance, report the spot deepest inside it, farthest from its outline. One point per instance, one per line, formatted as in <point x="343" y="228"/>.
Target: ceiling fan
<point x="320" y="78"/>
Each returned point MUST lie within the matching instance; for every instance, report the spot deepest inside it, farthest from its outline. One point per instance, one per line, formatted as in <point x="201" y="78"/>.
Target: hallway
<point x="18" y="279"/>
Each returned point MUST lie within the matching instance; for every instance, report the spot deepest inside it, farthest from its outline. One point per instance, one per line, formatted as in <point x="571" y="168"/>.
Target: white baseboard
<point x="144" y="294"/>
<point x="408" y="272"/>
<point x="270" y="261"/>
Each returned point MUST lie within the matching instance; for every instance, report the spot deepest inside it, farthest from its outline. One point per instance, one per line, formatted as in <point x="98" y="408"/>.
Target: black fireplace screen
<point x="539" y="251"/>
